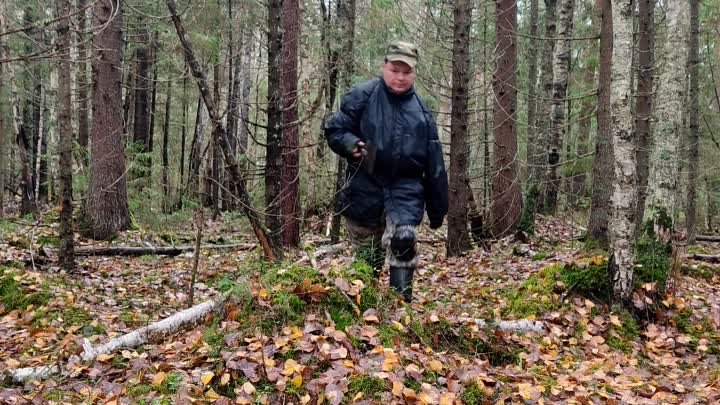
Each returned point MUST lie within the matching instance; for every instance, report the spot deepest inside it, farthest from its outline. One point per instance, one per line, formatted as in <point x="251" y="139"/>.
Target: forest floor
<point x="290" y="334"/>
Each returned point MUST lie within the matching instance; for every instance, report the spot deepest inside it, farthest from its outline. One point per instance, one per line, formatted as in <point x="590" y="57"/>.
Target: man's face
<point x="399" y="76"/>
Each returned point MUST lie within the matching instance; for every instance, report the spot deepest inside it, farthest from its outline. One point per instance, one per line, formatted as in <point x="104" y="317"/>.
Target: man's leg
<point x="401" y="242"/>
<point x="367" y="244"/>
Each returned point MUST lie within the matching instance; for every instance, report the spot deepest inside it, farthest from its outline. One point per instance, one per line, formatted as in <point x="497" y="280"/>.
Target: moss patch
<point x="535" y="296"/>
<point x="370" y="387"/>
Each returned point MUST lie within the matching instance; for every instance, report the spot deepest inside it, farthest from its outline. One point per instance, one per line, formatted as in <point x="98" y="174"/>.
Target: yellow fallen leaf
<point x="104" y="357"/>
<point x="159" y="378"/>
<point x="263" y="293"/>
<point x="297" y="381"/>
<point x="436" y="366"/>
<point x="225" y="379"/>
<point x="398" y="326"/>
<point x="211" y="395"/>
<point x="113" y="401"/>
<point x="290" y="367"/>
<point x="248" y="388"/>
<point x="397" y="388"/>
<point x="270" y="362"/>
<point x="447" y="398"/>
<point x="206" y="377"/>
<point x="357" y="397"/>
<point x="305" y="399"/>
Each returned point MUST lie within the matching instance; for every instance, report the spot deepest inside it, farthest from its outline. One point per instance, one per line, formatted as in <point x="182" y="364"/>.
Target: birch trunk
<point x="67" y="243"/>
<point x="693" y="121"/>
<point x="662" y="180"/>
<point x="622" y="222"/>
<point x="561" y="69"/>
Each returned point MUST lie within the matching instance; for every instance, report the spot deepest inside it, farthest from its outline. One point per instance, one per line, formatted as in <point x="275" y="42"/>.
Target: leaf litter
<point x="423" y="353"/>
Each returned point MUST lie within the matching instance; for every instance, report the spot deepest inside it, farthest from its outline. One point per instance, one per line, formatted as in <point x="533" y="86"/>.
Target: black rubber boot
<point x="401" y="281"/>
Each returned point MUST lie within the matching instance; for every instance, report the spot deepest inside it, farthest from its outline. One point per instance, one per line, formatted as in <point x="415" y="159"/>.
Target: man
<point x="395" y="166"/>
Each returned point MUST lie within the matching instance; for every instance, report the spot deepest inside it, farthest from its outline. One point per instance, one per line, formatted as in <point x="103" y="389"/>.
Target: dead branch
<point x="148" y="250"/>
<point x="704" y="258"/>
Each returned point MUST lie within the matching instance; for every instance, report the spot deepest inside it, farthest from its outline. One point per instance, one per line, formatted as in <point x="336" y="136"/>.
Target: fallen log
<point x="147" y="250"/>
<point x="160" y="328"/>
<point x="164" y="327"/>
<point x="707" y="238"/>
<point x="518" y="326"/>
<point x="22" y="375"/>
<point x="704" y="258"/>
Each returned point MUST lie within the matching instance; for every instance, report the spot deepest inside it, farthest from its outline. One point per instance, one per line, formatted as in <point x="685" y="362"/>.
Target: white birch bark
<point x="669" y="108"/>
<point x="622" y="223"/>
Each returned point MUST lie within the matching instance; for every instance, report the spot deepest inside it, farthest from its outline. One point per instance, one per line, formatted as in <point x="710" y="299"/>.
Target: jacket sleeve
<point x="342" y="129"/>
<point x="436" y="180"/>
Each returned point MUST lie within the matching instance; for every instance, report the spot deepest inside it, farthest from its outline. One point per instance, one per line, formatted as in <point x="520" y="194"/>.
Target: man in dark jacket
<point x="395" y="166"/>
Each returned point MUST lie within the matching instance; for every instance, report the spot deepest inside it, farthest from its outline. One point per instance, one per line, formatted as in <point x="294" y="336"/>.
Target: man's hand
<point x="359" y="150"/>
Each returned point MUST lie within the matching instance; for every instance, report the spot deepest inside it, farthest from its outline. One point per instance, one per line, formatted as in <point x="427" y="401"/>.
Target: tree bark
<point x="579" y="175"/>
<point x="270" y="250"/>
<point x="106" y="210"/>
<point x="346" y="20"/>
<point x="247" y="83"/>
<point x="152" y="250"/>
<point x="603" y="162"/>
<point x="693" y="120"/>
<point x="166" y="136"/>
<point x="506" y="198"/>
<point x="290" y="201"/>
<point x="214" y="157"/>
<point x="561" y="73"/>
<point x="195" y="147"/>
<point x="183" y="137"/>
<point x="273" y="154"/>
<point x="3" y="154"/>
<point x="644" y="100"/>
<point x="533" y="153"/>
<point x="83" y="81"/>
<point x="458" y="238"/>
<point x="141" y="127"/>
<point x="545" y="83"/>
<point x="67" y="242"/>
<point x="622" y="221"/>
<point x="662" y="181"/>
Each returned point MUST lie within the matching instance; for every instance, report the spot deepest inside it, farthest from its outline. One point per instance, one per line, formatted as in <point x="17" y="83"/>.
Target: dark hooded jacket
<point x="408" y="174"/>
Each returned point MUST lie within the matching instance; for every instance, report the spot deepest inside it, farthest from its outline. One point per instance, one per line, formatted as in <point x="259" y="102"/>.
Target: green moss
<point x="15" y="296"/>
<point x="527" y="218"/>
<point x="592" y="281"/>
<point x="371" y="387"/>
<point x="288" y="308"/>
<point x="139" y="390"/>
<point x="413" y="384"/>
<point x="540" y="256"/>
<point x="389" y="334"/>
<point x="701" y="271"/>
<point x="622" y="337"/>
<point x="534" y="296"/>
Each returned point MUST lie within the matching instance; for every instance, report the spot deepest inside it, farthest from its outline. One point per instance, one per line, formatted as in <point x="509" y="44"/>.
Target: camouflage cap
<point x="402" y="52"/>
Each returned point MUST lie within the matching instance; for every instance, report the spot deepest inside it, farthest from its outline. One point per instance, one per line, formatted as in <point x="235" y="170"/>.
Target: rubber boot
<point x="401" y="281"/>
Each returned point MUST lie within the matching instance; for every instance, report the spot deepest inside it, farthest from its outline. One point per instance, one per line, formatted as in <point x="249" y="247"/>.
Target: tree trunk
<point x="128" y="85"/>
<point x="645" y="90"/>
<point x="533" y="153"/>
<point x="183" y="137"/>
<point x="153" y="99"/>
<point x="290" y="201"/>
<point x="270" y="250"/>
<point x="622" y="222"/>
<point x="67" y="243"/>
<point x="195" y="147"/>
<point x="506" y="198"/>
<point x="82" y="80"/>
<point x="214" y="157"/>
<point x="28" y="203"/>
<point x="561" y="70"/>
<point x="273" y="154"/>
<point x="248" y="45"/>
<point x="712" y="205"/>
<point x="545" y="83"/>
<point x="3" y="154"/>
<point x="141" y="127"/>
<point x="166" y="136"/>
<point x="579" y="175"/>
<point x="106" y="210"/>
<point x="693" y="120"/>
<point x="458" y="238"/>
<point x="662" y="179"/>
<point x="603" y="162"/>
<point x="346" y="20"/>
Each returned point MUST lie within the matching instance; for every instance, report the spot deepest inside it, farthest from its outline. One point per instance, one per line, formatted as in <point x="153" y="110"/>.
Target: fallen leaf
<point x="159" y="378"/>
<point x="206" y="377"/>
